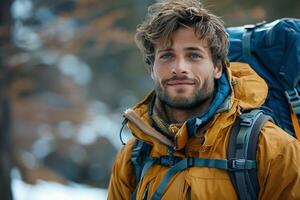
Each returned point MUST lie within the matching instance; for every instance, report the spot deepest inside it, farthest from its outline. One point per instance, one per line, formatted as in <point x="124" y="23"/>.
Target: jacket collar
<point x="249" y="91"/>
<point x="219" y="103"/>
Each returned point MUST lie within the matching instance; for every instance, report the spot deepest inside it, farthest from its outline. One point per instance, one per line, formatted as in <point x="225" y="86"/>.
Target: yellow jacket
<point x="278" y="154"/>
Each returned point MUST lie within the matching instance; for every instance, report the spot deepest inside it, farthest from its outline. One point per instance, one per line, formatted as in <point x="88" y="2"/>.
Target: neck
<point x="179" y="116"/>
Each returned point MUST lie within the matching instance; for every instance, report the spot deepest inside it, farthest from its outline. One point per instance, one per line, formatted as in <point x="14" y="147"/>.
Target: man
<point x="197" y="97"/>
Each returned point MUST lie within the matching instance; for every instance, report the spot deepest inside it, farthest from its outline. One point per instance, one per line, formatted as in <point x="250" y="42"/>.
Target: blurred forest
<point x="68" y="68"/>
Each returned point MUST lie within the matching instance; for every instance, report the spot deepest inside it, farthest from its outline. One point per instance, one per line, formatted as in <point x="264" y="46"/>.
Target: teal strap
<point x="242" y="177"/>
<point x="242" y="185"/>
<point x="247" y="123"/>
<point x="294" y="100"/>
<point x="147" y="165"/>
<point x="239" y="164"/>
<point x="135" y="156"/>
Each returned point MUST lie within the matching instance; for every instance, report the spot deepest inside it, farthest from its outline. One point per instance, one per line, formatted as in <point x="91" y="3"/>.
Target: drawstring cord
<point x="197" y="125"/>
<point x="121" y="130"/>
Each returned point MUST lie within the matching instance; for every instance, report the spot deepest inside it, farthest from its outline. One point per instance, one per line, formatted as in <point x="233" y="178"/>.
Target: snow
<point x="54" y="191"/>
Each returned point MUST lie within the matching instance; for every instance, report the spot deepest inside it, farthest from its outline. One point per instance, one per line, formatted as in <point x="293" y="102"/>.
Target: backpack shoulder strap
<point x="243" y="145"/>
<point x="293" y="98"/>
<point x="139" y="153"/>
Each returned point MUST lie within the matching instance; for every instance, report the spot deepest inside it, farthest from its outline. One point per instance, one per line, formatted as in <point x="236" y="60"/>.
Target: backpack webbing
<point x="241" y="162"/>
<point x="243" y="145"/>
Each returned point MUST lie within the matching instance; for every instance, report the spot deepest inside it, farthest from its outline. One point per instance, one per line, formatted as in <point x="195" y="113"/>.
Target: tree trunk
<point x="5" y="142"/>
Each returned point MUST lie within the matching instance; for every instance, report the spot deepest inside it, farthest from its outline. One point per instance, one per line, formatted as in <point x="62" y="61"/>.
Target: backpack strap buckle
<point x="246" y="122"/>
<point x="167" y="160"/>
<point x="294" y="100"/>
<point x="190" y="162"/>
<point x="247" y="119"/>
<point x="241" y="164"/>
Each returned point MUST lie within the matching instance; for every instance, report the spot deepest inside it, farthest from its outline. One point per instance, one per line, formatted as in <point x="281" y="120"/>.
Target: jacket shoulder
<point x="123" y="158"/>
<point x="122" y="181"/>
<point x="278" y="157"/>
<point x="273" y="140"/>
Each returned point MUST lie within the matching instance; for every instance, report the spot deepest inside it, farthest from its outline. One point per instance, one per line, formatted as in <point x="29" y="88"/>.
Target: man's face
<point x="184" y="73"/>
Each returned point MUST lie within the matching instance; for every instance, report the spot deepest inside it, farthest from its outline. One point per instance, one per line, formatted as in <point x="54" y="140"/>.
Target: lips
<point x="180" y="82"/>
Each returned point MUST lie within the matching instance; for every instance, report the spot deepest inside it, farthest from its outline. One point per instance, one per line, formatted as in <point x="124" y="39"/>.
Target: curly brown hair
<point x="166" y="16"/>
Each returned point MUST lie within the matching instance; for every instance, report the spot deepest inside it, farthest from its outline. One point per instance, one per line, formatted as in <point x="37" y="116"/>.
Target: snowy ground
<point x="54" y="191"/>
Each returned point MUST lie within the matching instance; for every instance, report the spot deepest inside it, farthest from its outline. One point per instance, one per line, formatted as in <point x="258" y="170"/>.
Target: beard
<point x="200" y="94"/>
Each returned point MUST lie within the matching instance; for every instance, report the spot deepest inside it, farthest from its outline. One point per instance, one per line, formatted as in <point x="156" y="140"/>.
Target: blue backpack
<point x="273" y="51"/>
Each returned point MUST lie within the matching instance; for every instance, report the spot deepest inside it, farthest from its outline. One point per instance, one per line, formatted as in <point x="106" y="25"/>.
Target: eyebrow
<point x="163" y="50"/>
<point x="187" y="49"/>
<point x="194" y="49"/>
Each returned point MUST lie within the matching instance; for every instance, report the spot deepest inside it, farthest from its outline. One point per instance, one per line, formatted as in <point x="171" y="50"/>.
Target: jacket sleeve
<point x="279" y="165"/>
<point x="122" y="180"/>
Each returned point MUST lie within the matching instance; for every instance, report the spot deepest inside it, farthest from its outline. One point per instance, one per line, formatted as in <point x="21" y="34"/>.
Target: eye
<point x="166" y="56"/>
<point x="195" y="56"/>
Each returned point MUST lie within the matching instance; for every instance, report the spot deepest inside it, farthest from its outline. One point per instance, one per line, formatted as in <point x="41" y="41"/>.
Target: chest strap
<point x="231" y="165"/>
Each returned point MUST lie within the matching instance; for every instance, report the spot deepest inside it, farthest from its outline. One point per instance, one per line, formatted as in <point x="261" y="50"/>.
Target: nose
<point x="180" y="66"/>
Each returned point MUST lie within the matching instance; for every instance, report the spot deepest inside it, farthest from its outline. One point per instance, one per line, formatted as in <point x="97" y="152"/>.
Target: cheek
<point x="159" y="73"/>
<point x="204" y="75"/>
<point x="156" y="78"/>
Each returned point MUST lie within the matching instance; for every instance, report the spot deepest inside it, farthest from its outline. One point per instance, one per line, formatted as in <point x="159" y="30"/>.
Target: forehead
<point x="182" y="38"/>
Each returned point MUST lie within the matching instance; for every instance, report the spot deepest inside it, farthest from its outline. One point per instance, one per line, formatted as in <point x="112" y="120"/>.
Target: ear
<point x="218" y="69"/>
<point x="151" y="72"/>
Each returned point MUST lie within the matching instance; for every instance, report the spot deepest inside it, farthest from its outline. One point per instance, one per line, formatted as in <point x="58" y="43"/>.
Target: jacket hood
<point x="247" y="91"/>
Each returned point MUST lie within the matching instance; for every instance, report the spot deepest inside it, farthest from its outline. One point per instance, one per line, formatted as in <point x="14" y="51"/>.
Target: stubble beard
<point x="201" y="95"/>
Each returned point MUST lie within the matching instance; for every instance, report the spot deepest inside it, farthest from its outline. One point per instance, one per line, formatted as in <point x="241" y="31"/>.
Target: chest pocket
<point x="209" y="183"/>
